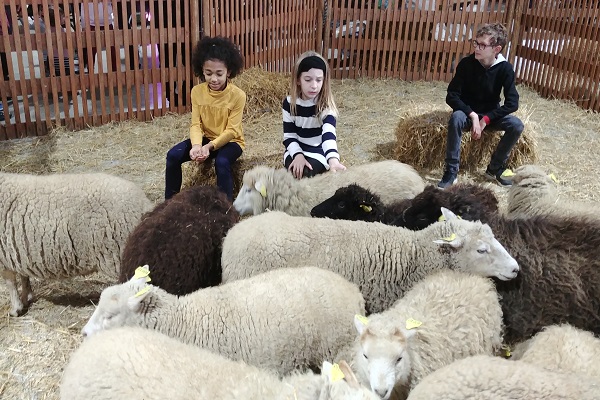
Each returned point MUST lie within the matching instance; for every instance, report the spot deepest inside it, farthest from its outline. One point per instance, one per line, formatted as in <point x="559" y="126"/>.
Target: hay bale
<point x="264" y="90"/>
<point x="421" y="142"/>
<point x="204" y="174"/>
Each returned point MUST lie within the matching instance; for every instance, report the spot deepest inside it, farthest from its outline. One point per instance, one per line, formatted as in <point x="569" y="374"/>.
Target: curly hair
<point x="497" y="33"/>
<point x="220" y="49"/>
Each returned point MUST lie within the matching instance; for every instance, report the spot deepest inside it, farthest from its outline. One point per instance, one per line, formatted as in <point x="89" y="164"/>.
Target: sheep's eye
<point x="341" y="204"/>
<point x="108" y="317"/>
<point x="398" y="360"/>
<point x="482" y="251"/>
<point x="365" y="356"/>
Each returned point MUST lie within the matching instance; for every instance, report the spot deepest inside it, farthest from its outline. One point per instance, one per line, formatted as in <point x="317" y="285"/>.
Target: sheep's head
<point x="383" y="355"/>
<point x="421" y="211"/>
<point x="533" y="176"/>
<point x="351" y="202"/>
<point x="474" y="248"/>
<point x="251" y="198"/>
<point x="121" y="305"/>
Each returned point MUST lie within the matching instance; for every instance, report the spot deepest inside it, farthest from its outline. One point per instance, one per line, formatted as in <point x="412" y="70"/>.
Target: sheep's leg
<point x="11" y="284"/>
<point x="26" y="291"/>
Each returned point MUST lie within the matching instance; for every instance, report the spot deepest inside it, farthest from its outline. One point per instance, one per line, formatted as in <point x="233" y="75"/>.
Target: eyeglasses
<point x="481" y="46"/>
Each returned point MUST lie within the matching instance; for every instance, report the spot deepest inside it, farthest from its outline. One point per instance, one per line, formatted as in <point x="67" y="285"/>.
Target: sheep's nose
<point x="381" y="392"/>
<point x="515" y="270"/>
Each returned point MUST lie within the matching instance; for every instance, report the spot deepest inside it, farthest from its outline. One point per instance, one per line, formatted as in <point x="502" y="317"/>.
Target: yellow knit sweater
<point x="217" y="115"/>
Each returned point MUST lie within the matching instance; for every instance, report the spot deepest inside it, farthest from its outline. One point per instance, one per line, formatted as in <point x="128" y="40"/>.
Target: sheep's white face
<point x="483" y="255"/>
<point x="115" y="309"/>
<point x="347" y="388"/>
<point x="249" y="201"/>
<point x="383" y="358"/>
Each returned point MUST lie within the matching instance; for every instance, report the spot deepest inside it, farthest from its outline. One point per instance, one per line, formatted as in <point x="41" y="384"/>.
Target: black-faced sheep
<point x="282" y="320"/>
<point x="64" y="225"/>
<point x="559" y="280"/>
<point x="534" y="192"/>
<point x="136" y="363"/>
<point x="355" y="203"/>
<point x="384" y="261"/>
<point x="273" y="189"/>
<point x="181" y="240"/>
<point x="493" y="378"/>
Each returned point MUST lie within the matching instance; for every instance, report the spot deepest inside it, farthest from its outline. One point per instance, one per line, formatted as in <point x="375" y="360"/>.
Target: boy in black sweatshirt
<point x="474" y="95"/>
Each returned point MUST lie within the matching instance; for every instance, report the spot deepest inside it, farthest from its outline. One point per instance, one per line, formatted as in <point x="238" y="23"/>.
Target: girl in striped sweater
<point x="309" y="120"/>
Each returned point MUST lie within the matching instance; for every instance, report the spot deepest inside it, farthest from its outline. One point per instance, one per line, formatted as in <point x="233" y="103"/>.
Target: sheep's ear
<point x="360" y="322"/>
<point x="332" y="372"/>
<point x="261" y="188"/>
<point x="449" y="215"/>
<point x="366" y="207"/>
<point x="349" y="376"/>
<point x="453" y="241"/>
<point x="135" y="302"/>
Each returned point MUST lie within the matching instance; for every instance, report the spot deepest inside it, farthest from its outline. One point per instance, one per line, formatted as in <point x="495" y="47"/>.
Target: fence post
<point x="515" y="15"/>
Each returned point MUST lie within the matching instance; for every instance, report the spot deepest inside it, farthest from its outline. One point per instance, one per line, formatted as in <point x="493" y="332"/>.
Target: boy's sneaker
<point x="449" y="178"/>
<point x="503" y="176"/>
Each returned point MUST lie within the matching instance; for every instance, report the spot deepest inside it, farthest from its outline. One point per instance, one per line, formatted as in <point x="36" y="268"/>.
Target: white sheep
<point x="64" y="225"/>
<point x="384" y="261"/>
<point x="562" y="348"/>
<point x="534" y="192"/>
<point x="277" y="190"/>
<point x="451" y="315"/>
<point x="281" y="320"/>
<point x="493" y="378"/>
<point x="135" y="363"/>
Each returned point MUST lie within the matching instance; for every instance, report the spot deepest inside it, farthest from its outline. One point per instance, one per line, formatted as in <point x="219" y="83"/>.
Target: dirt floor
<point x="34" y="348"/>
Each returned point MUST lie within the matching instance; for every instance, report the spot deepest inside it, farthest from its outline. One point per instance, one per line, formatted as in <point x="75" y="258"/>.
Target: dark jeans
<point x="4" y="61"/>
<point x="180" y="153"/>
<point x="317" y="167"/>
<point x="459" y="121"/>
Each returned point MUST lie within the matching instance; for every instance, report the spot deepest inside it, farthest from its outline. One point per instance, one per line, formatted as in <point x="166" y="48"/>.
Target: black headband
<point x="311" y="62"/>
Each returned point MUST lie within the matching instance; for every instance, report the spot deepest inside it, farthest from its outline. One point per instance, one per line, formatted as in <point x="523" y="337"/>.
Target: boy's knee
<point x="222" y="164"/>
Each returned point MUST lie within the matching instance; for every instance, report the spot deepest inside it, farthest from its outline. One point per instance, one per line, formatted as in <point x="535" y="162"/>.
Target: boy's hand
<point x="335" y="165"/>
<point x="297" y="166"/>
<point x="195" y="152"/>
<point x="476" y="127"/>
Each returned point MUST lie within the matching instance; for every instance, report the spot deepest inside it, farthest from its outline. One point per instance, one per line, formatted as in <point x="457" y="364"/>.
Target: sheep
<point x="63" y="225"/>
<point x="281" y="320"/>
<point x="130" y="363"/>
<point x="182" y="238"/>
<point x="535" y="193"/>
<point x="355" y="203"/>
<point x="491" y="378"/>
<point x="559" y="281"/>
<point x="277" y="190"/>
<point x="383" y="261"/>
<point x="562" y="349"/>
<point x="453" y="316"/>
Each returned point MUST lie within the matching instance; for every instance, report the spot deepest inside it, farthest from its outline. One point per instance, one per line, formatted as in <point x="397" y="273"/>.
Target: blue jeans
<point x="459" y="121"/>
<point x="224" y="158"/>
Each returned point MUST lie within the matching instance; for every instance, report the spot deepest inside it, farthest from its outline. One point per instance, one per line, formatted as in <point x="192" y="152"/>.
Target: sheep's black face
<point x="352" y="203"/>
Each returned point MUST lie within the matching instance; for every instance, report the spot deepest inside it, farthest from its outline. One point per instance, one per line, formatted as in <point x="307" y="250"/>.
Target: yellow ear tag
<point x="362" y="319"/>
<point x="143" y="291"/>
<point x="506" y="351"/>
<point x="450" y="238"/>
<point x="142" y="272"/>
<point x="366" y="208"/>
<point x="336" y="373"/>
<point x="553" y="177"/>
<point x="412" y="324"/>
<point x="442" y="218"/>
<point x="508" y="173"/>
<point x="262" y="190"/>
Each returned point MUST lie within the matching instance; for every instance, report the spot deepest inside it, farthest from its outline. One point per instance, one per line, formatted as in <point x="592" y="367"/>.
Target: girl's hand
<point x="205" y="151"/>
<point x="335" y="165"/>
<point x="195" y="151"/>
<point x="297" y="166"/>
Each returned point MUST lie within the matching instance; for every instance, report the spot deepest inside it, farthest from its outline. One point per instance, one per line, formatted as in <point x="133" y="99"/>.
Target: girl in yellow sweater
<point x="217" y="108"/>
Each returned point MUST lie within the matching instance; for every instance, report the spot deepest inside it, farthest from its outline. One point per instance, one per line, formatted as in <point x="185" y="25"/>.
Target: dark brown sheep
<point x="353" y="202"/>
<point x="181" y="240"/>
<point x="559" y="257"/>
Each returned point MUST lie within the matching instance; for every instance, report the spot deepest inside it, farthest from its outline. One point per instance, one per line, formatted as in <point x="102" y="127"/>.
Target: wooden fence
<point x="554" y="48"/>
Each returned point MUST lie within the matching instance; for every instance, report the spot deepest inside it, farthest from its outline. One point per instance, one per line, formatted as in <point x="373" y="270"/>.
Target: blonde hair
<point x="324" y="99"/>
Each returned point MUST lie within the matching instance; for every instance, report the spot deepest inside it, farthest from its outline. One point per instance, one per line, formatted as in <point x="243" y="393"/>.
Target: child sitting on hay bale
<point x="474" y="95"/>
<point x="309" y="119"/>
<point x="217" y="108"/>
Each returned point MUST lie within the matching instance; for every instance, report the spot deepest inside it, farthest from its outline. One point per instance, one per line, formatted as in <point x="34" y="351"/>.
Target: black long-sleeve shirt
<point x="475" y="88"/>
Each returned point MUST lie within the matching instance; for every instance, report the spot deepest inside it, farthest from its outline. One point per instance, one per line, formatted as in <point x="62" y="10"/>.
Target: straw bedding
<point x="35" y="348"/>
